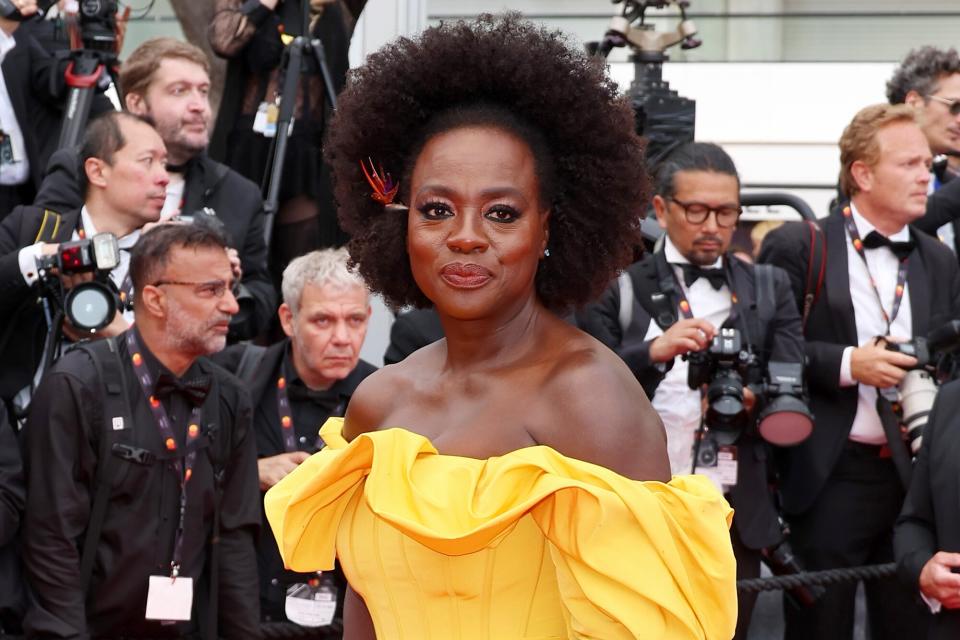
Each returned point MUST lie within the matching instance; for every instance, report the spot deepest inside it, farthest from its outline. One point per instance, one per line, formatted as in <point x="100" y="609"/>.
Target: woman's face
<point x="476" y="230"/>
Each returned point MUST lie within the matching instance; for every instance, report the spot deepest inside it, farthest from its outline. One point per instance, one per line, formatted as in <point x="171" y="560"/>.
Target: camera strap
<point x="285" y="414"/>
<point x="182" y="464"/>
<point x="901" y="271"/>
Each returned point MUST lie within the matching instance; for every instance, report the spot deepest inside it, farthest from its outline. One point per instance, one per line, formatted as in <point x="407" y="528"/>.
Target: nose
<point x="341" y="335"/>
<point x="710" y="223"/>
<point x="467" y="235"/>
<point x="228" y="303"/>
<point x="162" y="178"/>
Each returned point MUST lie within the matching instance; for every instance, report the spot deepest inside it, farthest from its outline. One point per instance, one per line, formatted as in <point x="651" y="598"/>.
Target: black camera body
<point x="725" y="366"/>
<point x="89" y="306"/>
<point x="936" y="363"/>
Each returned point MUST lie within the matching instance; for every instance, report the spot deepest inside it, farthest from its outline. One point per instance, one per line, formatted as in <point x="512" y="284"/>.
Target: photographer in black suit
<point x="927" y="535"/>
<point x="168" y="81"/>
<point x="312" y="373"/>
<point x="843" y="488"/>
<point x="124" y="188"/>
<point x="681" y="297"/>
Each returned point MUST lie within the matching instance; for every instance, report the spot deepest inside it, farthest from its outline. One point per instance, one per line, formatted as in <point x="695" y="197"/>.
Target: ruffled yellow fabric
<point x="632" y="559"/>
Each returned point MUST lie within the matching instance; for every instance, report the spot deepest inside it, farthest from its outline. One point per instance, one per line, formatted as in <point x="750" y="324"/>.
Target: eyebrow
<point x="490" y="192"/>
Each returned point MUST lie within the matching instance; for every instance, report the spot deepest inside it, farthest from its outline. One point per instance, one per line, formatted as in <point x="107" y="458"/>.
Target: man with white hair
<point x="296" y="385"/>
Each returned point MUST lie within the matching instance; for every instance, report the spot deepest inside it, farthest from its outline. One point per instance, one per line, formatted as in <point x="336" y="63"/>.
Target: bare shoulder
<point x="599" y="413"/>
<point x="377" y="396"/>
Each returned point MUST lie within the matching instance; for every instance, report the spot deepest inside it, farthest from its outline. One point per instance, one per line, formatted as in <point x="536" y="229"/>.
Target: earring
<point x="546" y="252"/>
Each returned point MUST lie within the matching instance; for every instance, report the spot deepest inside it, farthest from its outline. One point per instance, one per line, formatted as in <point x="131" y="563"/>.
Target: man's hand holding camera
<point x="684" y="336"/>
<point x="877" y="366"/>
<point x="938" y="581"/>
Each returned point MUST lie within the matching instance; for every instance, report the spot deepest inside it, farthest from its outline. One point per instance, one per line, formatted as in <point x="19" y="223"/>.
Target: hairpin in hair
<point x="384" y="188"/>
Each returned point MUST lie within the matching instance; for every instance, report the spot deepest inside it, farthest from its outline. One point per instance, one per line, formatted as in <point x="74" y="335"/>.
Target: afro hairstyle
<point x="589" y="159"/>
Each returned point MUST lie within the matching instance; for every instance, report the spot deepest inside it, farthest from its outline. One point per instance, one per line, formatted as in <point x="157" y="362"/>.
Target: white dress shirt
<point x="18" y="171"/>
<point x="679" y="405"/>
<point x="884" y="265"/>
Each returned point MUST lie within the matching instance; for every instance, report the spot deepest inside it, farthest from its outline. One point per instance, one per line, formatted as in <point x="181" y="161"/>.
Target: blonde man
<point x="842" y="489"/>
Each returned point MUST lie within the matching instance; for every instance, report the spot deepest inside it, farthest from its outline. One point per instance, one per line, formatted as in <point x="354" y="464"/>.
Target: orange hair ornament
<point x="384" y="188"/>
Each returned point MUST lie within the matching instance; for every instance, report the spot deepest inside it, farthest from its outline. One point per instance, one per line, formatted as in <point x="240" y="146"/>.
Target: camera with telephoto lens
<point x="725" y="366"/>
<point x="207" y="218"/>
<point x="90" y="306"/>
<point x="936" y="364"/>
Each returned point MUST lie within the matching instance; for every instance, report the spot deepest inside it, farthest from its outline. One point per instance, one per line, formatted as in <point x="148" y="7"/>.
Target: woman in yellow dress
<point x="511" y="480"/>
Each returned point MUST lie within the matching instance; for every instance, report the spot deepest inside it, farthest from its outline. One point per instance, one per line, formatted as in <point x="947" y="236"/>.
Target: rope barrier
<point x="818" y="578"/>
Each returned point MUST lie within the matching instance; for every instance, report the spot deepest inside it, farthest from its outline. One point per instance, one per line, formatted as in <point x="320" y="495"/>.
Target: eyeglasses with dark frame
<point x="953" y="105"/>
<point x="698" y="212"/>
<point x="208" y="289"/>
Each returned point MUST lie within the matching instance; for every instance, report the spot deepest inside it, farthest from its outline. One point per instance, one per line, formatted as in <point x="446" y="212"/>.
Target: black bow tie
<point x="325" y="399"/>
<point x="900" y="249"/>
<point x="692" y="272"/>
<point x="195" y="391"/>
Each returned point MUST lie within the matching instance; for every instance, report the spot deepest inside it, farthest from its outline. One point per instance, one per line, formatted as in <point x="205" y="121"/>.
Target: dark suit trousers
<point x="748" y="566"/>
<point x="851" y="524"/>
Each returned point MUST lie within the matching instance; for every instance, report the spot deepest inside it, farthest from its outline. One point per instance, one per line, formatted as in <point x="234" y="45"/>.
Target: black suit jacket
<point x="410" y="331"/>
<point x="35" y="85"/>
<point x="777" y="338"/>
<point x="943" y="207"/>
<point x="934" y="285"/>
<point x="236" y="201"/>
<point x="930" y="520"/>
<point x="23" y="330"/>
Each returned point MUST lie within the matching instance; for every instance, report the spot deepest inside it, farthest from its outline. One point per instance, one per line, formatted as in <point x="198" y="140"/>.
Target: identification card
<point x="169" y="599"/>
<point x="6" y="150"/>
<point x="311" y="606"/>
<point x="727" y="466"/>
<point x="273" y="113"/>
<point x="724" y="473"/>
<point x="260" y="120"/>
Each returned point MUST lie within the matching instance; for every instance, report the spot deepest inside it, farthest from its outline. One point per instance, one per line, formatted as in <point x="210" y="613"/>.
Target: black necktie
<point x="900" y="249"/>
<point x="692" y="272"/>
<point x="195" y="391"/>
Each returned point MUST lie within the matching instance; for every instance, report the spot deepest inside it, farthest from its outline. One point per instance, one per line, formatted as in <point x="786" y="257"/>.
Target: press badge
<point x="311" y="605"/>
<point x="724" y="473"/>
<point x="169" y="599"/>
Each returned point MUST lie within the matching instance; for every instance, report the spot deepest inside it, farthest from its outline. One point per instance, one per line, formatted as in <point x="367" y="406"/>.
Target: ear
<point x="98" y="172"/>
<point x="153" y="301"/>
<point x="545" y="227"/>
<point x="862" y="175"/>
<point x="660" y="207"/>
<point x="285" y="313"/>
<point x="135" y="104"/>
<point x="914" y="99"/>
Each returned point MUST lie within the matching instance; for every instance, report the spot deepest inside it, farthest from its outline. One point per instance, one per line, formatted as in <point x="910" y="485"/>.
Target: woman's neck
<point x="492" y="342"/>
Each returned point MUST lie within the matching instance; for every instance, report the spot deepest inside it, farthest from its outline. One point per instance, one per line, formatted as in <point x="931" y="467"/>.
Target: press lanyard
<point x="184" y="468"/>
<point x="286" y="416"/>
<point x="901" y="271"/>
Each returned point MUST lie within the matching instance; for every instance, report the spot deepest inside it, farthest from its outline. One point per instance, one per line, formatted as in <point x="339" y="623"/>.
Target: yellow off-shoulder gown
<point x="530" y="545"/>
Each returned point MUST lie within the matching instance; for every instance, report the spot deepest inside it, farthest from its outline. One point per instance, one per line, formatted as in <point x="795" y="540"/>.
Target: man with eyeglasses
<point x="928" y="81"/>
<point x="124" y="186"/>
<point x="883" y="282"/>
<point x="672" y="303"/>
<point x="142" y="505"/>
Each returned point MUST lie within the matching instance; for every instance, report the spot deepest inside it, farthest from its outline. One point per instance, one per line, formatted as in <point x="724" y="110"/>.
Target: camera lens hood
<point x="90" y="306"/>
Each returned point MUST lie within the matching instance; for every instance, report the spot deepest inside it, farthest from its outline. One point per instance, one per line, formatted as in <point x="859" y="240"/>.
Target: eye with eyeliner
<point x="502" y="213"/>
<point x="435" y="210"/>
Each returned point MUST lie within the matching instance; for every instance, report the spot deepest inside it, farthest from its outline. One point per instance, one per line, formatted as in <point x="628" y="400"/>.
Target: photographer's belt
<point x="182" y="464"/>
<point x="901" y="271"/>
